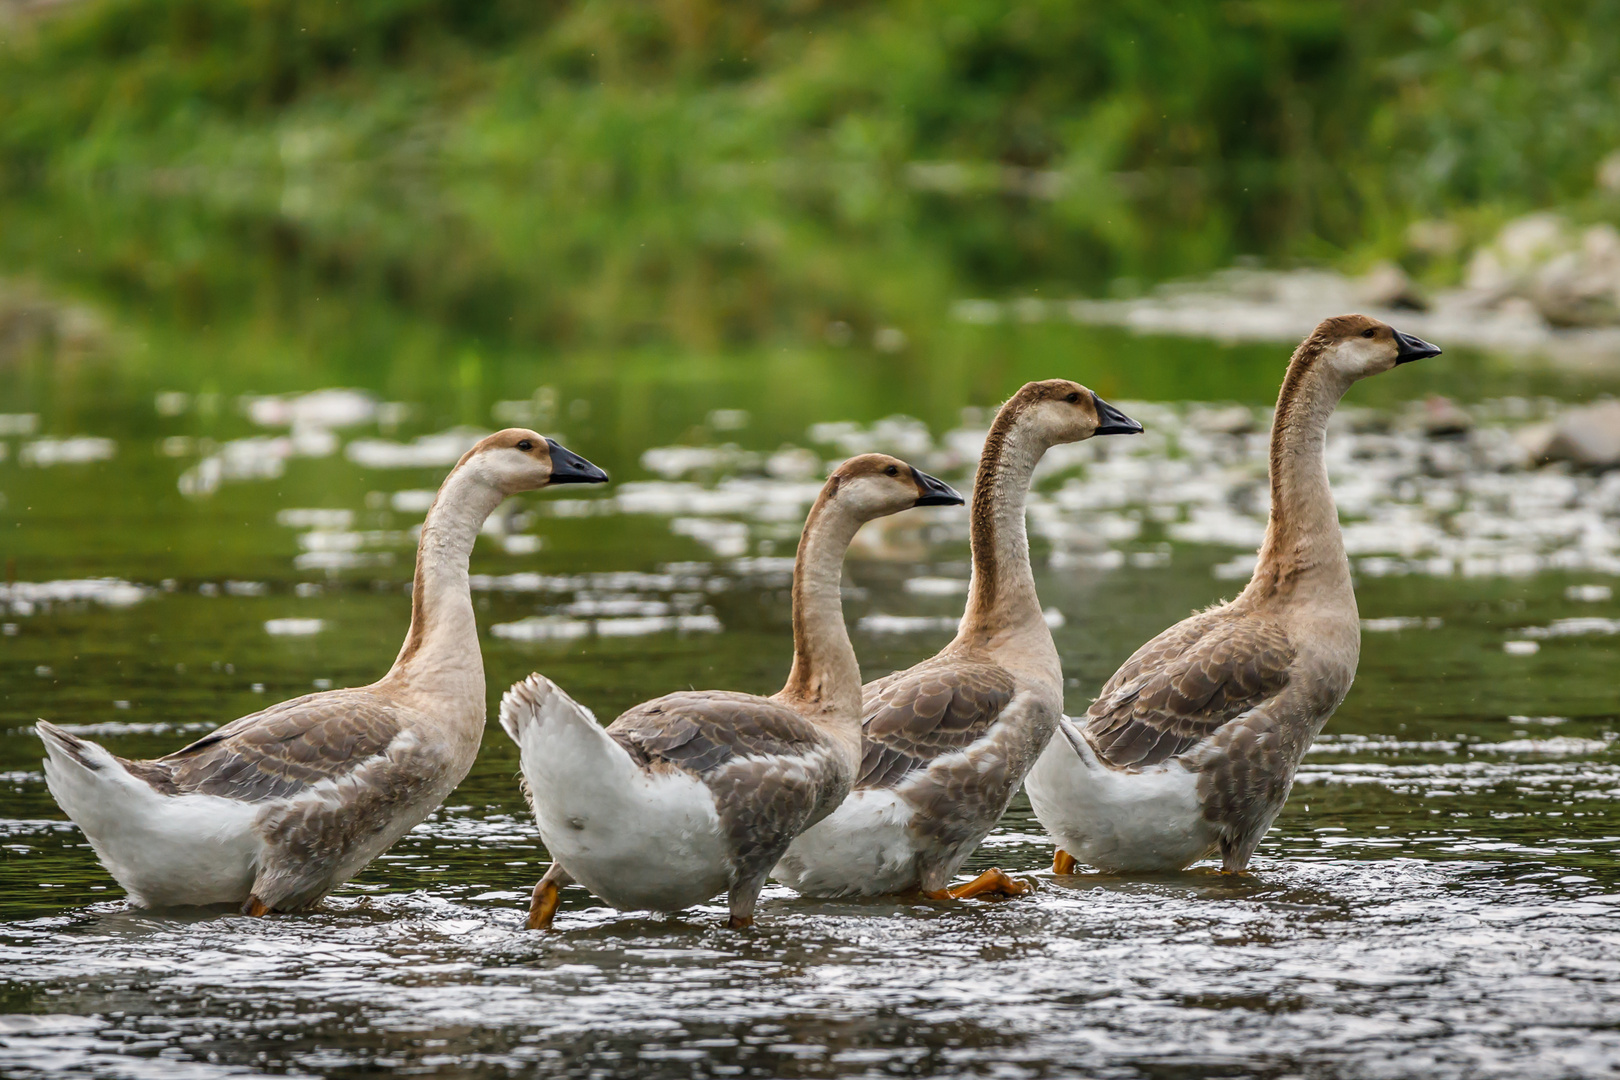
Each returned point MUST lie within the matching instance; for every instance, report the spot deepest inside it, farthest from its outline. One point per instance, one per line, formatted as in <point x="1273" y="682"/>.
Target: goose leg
<point x="992" y="882"/>
<point x="547" y="895"/>
<point x="1063" y="862"/>
<point x="255" y="907"/>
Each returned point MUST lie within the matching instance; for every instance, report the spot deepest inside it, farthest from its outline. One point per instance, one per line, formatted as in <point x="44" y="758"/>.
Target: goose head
<point x="1059" y="411"/>
<point x="877" y="485"/>
<point x="518" y="459"/>
<point x="1356" y="346"/>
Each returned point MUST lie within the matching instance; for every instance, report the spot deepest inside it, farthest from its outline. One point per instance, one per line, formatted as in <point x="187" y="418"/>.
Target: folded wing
<point x="767" y="767"/>
<point x="926" y="713"/>
<point x="1182" y="686"/>
<point x="280" y="751"/>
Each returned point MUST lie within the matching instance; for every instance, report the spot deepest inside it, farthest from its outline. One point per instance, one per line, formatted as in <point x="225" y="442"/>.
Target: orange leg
<point x="547" y="896"/>
<point x="989" y="883"/>
<point x="543" y="906"/>
<point x="1063" y="862"/>
<point x="255" y="907"/>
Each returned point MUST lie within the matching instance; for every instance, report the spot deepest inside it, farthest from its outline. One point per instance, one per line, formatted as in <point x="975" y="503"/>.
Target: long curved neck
<point x="440" y="657"/>
<point x="1303" y="542"/>
<point x="1002" y="594"/>
<point x="825" y="679"/>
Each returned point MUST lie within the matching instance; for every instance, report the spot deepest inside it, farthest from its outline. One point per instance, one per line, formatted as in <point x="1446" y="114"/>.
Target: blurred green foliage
<point x="403" y="177"/>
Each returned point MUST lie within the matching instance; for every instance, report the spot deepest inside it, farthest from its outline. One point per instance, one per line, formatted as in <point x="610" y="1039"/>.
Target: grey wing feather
<point x="925" y="713"/>
<point x="280" y="751"/>
<point x="701" y="731"/>
<point x="1185" y="684"/>
<point x="757" y="757"/>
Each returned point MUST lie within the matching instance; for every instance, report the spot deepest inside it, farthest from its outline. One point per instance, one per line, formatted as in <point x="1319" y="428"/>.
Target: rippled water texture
<point x="1440" y="897"/>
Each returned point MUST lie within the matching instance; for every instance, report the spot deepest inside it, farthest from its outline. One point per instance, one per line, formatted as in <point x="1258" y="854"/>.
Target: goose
<point x="1191" y="747"/>
<point x="699" y="792"/>
<point x="276" y="809"/>
<point x="946" y="743"/>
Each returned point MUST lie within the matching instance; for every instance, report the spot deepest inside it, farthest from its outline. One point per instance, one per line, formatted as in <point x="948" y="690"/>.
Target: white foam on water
<point x="439" y="450"/>
<point x="936" y="586"/>
<point x="256" y="458"/>
<point x="1576" y="627"/>
<point x="879" y="623"/>
<point x="315" y="518"/>
<point x="315" y="410"/>
<point x="563" y="628"/>
<point x="1589" y="594"/>
<point x="77" y="450"/>
<point x="28" y="597"/>
<point x="297" y="627"/>
<point x="413" y="501"/>
<point x="1396" y="623"/>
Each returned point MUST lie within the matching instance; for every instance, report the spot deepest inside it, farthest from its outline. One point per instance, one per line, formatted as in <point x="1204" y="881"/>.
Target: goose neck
<point x="825" y="681"/>
<point x="440" y="657"/>
<point x="1002" y="594"/>
<point x="1303" y="542"/>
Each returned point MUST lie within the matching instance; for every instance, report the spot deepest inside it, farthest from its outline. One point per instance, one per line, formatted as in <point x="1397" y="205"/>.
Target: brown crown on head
<point x="1044" y="390"/>
<point x="1028" y="395"/>
<point x="867" y="465"/>
<point x="1343" y="327"/>
<point x="509" y="439"/>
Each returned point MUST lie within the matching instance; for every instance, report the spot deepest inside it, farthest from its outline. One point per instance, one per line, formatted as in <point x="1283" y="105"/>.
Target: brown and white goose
<point x="276" y="809"/>
<point x="1191" y="747"/>
<point x="699" y="792"/>
<point x="946" y="743"/>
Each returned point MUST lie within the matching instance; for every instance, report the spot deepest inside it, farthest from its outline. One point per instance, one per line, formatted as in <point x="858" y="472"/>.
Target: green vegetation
<point x="286" y="184"/>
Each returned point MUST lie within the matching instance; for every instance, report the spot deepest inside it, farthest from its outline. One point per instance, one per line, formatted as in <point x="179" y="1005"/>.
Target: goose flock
<point x="833" y="787"/>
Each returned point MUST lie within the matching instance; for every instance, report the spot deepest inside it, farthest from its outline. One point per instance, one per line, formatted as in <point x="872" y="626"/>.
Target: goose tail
<point x="84" y="778"/>
<point x="536" y="704"/>
<point x="1071" y="734"/>
<point x="560" y="741"/>
<point x="570" y="763"/>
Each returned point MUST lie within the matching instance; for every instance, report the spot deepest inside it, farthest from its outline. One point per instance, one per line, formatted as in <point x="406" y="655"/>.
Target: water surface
<point x="1439" y="898"/>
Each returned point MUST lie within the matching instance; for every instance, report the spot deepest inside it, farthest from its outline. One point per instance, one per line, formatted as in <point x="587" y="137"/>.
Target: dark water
<point x="1440" y="898"/>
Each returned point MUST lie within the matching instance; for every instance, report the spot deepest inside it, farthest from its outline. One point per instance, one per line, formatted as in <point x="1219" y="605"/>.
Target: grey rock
<point x="1588" y="437"/>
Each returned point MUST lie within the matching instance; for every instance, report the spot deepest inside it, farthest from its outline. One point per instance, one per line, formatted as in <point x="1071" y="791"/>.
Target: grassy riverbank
<point x="417" y="179"/>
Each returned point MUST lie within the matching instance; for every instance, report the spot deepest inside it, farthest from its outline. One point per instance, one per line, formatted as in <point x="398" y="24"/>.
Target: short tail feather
<point x="1072" y="734"/>
<point x="64" y="748"/>
<point x="89" y="784"/>
<point x="536" y="700"/>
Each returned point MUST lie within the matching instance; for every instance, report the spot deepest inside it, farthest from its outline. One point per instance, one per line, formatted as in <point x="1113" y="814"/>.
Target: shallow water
<point x="1441" y="896"/>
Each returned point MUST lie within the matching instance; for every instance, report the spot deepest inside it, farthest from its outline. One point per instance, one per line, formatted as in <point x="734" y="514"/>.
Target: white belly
<point x="1119" y="822"/>
<point x="864" y="848"/>
<point x="653" y="843"/>
<point x="183" y="850"/>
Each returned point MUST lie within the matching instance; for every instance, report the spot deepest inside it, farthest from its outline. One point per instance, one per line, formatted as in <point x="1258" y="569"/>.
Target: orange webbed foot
<point x="992" y="882"/>
<point x="1063" y="863"/>
<point x="543" y="905"/>
<point x="255" y="907"/>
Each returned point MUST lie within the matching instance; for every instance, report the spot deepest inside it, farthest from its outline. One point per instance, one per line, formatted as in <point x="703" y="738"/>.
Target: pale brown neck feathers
<point x="825" y="677"/>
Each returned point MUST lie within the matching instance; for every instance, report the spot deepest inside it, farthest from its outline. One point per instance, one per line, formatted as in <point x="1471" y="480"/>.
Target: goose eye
<point x="1369" y="332"/>
<point x="1074" y="396"/>
<point x="892" y="470"/>
<point x="525" y="445"/>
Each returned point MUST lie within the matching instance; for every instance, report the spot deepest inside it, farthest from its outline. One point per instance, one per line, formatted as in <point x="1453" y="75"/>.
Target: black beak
<point x="1409" y="348"/>
<point x="935" y="492"/>
<point x="1110" y="421"/>
<point x="568" y="467"/>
